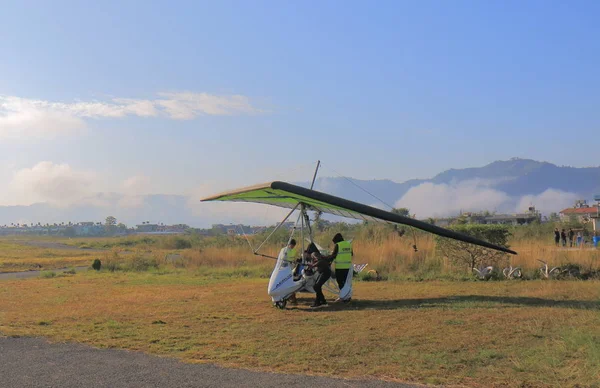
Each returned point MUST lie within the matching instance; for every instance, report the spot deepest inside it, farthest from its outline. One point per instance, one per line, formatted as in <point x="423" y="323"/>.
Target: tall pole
<point x="315" y="176"/>
<point x="303" y="208"/>
<point x="302" y="235"/>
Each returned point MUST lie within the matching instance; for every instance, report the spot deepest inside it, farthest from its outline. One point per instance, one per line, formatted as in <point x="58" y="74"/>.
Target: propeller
<point x="548" y="273"/>
<point x="512" y="273"/>
<point x="484" y="273"/>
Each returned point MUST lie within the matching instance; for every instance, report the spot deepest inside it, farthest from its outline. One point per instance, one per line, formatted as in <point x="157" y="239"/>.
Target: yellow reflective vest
<point x="290" y="254"/>
<point x="343" y="259"/>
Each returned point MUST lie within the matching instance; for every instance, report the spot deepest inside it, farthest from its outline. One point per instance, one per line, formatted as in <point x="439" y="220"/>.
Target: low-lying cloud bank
<point x="61" y="193"/>
<point x="444" y="200"/>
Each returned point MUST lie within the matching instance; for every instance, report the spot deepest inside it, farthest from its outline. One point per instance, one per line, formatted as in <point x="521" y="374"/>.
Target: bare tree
<point x="474" y="256"/>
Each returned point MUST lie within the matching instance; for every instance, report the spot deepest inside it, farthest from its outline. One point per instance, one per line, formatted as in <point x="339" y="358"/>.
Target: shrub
<point x="371" y="275"/>
<point x="112" y="264"/>
<point x="70" y="271"/>
<point x="176" y="243"/>
<point x="181" y="243"/>
<point x="142" y="263"/>
<point x="48" y="274"/>
<point x="473" y="256"/>
<point x="175" y="259"/>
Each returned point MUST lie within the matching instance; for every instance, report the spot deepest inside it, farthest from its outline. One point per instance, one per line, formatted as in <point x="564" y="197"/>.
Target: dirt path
<point x="34" y="274"/>
<point x="33" y="362"/>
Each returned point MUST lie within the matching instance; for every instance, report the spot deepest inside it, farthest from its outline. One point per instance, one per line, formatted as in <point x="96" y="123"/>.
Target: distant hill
<point x="520" y="177"/>
<point x="514" y="178"/>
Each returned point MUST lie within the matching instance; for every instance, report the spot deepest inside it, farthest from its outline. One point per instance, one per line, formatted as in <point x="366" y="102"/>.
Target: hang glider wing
<point x="287" y="195"/>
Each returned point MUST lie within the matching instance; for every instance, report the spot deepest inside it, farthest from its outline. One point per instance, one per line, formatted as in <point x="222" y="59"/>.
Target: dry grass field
<point x="475" y="334"/>
<point x="429" y="323"/>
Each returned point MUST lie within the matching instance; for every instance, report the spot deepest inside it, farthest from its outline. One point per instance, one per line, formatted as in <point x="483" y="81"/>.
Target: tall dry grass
<point x="223" y="257"/>
<point x="394" y="256"/>
<point x="529" y="252"/>
<point x="385" y="250"/>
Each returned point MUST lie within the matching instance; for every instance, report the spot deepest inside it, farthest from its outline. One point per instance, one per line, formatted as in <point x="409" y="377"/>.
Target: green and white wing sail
<point x="286" y="195"/>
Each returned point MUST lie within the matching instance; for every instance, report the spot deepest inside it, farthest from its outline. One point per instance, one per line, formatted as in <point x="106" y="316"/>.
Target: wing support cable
<point x="276" y="229"/>
<point x="246" y="236"/>
<point x="380" y="200"/>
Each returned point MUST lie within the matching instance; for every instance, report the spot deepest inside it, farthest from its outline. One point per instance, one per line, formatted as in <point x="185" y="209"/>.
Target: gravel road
<point x="33" y="362"/>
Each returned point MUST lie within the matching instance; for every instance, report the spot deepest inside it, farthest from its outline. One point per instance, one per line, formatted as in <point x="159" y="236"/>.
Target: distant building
<point x="584" y="213"/>
<point x="147" y="228"/>
<point x="581" y="210"/>
<point x="512" y="219"/>
<point x="240" y="229"/>
<point x="88" y="229"/>
<point x="531" y="215"/>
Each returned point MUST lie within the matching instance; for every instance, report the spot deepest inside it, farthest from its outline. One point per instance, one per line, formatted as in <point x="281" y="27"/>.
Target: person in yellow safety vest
<point x="290" y="257"/>
<point x="342" y="257"/>
<point x="291" y="254"/>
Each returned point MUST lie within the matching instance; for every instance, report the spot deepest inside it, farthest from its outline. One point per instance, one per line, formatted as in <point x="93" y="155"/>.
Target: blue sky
<point x="235" y="92"/>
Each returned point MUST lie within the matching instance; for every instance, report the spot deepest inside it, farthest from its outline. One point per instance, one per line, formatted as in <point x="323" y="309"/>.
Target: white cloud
<point x="24" y="118"/>
<point x="58" y="184"/>
<point x="134" y="189"/>
<point x="63" y="186"/>
<point x="443" y="200"/>
<point x="433" y="200"/>
<point x="136" y="185"/>
<point x="142" y="108"/>
<point x="551" y="200"/>
<point x="187" y="105"/>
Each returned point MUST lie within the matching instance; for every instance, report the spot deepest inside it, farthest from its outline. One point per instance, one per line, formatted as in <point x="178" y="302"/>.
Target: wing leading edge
<point x="287" y="195"/>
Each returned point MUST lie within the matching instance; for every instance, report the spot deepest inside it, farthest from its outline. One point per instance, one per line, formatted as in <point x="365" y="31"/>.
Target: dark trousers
<point x="322" y="277"/>
<point x="341" y="275"/>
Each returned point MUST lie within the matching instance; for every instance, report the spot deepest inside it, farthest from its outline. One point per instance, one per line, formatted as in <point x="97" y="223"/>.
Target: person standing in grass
<point x="323" y="267"/>
<point x="571" y="235"/>
<point x="563" y="236"/>
<point x="342" y="257"/>
<point x="556" y="236"/>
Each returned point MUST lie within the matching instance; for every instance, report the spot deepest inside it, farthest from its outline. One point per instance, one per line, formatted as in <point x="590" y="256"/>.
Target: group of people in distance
<point x="562" y="236"/>
<point x="342" y="257"/>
